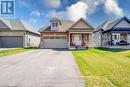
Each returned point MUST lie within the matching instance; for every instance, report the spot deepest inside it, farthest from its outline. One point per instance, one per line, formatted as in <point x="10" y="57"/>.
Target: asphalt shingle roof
<point x="110" y="23"/>
<point x="65" y="24"/>
<point x="18" y="24"/>
<point x="106" y="24"/>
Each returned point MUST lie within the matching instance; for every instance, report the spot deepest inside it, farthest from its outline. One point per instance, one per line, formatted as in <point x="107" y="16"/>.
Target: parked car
<point x="122" y="42"/>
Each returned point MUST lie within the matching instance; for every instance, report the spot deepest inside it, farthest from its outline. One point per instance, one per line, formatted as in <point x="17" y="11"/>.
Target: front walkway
<point x="40" y="68"/>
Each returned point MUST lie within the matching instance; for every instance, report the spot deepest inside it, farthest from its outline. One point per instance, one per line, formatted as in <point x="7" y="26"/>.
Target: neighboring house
<point x="113" y="32"/>
<point x="17" y="33"/>
<point x="67" y="34"/>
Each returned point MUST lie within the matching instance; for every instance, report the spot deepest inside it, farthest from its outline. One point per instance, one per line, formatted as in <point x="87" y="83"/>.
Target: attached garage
<point x="11" y="41"/>
<point x="55" y="42"/>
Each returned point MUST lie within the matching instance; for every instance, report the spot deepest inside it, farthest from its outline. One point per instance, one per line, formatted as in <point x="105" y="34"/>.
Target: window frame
<point x="54" y="24"/>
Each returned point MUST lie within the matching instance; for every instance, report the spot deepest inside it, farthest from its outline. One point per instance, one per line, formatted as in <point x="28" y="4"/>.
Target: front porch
<point x="116" y="39"/>
<point x="80" y="40"/>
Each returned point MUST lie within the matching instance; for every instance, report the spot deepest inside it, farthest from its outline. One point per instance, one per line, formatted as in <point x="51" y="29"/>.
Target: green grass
<point x="14" y="51"/>
<point x="103" y="67"/>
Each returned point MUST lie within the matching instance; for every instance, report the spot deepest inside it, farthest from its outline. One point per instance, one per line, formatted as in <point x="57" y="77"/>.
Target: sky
<point x="38" y="12"/>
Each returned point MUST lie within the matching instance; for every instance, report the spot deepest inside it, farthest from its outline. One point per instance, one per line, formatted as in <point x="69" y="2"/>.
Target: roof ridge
<point x="67" y="20"/>
<point x="102" y="24"/>
<point x="82" y="20"/>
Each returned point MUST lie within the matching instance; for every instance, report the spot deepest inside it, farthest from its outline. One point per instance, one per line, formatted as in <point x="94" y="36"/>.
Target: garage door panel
<point x="11" y="41"/>
<point x="55" y="42"/>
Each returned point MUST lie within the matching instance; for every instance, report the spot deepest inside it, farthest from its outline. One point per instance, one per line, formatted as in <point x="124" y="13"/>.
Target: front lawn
<point x="13" y="51"/>
<point x="103" y="67"/>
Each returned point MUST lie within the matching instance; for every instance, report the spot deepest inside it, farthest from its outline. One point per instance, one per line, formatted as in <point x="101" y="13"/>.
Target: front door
<point x="77" y="39"/>
<point x="115" y="38"/>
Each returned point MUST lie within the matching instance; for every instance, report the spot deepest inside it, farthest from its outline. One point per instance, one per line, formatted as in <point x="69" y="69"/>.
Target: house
<point x="67" y="34"/>
<point x="113" y="32"/>
<point x="17" y="33"/>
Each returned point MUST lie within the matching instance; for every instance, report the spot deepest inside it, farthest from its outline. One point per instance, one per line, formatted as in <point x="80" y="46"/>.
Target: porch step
<point x="81" y="47"/>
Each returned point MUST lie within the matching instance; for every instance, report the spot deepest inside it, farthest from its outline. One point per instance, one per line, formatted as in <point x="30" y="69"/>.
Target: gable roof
<point x="81" y="19"/>
<point x="109" y="24"/>
<point x="55" y="20"/>
<point x="6" y="22"/>
<point x="65" y="24"/>
<point x="17" y="24"/>
<point x="104" y="24"/>
<point x="119" y="20"/>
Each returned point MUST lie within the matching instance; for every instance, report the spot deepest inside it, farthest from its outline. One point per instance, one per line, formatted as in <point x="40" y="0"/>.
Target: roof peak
<point x="111" y="22"/>
<point x="55" y="19"/>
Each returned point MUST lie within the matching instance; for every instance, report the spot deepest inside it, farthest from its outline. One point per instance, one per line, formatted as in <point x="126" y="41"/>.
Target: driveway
<point x="40" y="68"/>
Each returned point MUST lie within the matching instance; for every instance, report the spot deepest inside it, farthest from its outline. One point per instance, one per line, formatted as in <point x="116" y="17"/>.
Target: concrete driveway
<point x="40" y="68"/>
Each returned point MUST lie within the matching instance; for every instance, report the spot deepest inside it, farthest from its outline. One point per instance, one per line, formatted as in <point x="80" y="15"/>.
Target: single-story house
<point x="113" y="33"/>
<point x="17" y="33"/>
<point x="67" y="34"/>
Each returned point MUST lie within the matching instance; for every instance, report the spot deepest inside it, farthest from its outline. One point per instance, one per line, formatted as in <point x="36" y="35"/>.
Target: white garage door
<point x="55" y="42"/>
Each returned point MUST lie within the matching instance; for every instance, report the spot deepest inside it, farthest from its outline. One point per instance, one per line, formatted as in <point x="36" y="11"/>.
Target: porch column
<point x="82" y="39"/>
<point x="70" y="39"/>
<point x="128" y="38"/>
<point x="87" y="41"/>
<point x="111" y="38"/>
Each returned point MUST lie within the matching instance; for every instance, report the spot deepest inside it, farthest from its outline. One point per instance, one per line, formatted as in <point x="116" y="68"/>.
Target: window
<point x="46" y="37"/>
<point x="63" y="37"/>
<point x="54" y="24"/>
<point x="52" y="37"/>
<point x="57" y="37"/>
<point x="115" y="37"/>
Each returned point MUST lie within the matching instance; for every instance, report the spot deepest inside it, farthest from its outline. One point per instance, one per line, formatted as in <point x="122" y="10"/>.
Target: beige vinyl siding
<point x="81" y="24"/>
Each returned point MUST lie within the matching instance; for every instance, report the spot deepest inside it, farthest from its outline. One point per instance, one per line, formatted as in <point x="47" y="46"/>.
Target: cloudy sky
<point x="39" y="12"/>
